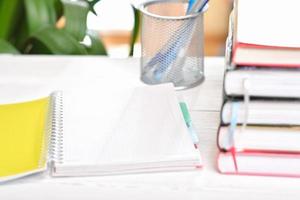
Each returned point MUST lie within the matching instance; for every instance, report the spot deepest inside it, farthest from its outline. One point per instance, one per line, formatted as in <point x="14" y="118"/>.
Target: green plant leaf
<point x="20" y="36"/>
<point x="56" y="42"/>
<point x="92" y="4"/>
<point x="75" y="13"/>
<point x="6" y="47"/>
<point x="96" y="47"/>
<point x="58" y="8"/>
<point x="40" y="13"/>
<point x="135" y="30"/>
<point x="9" y="13"/>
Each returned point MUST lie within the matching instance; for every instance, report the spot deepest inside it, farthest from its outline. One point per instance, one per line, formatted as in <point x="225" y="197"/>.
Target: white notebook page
<point x="90" y="116"/>
<point x="269" y="22"/>
<point x="133" y="125"/>
<point x="151" y="129"/>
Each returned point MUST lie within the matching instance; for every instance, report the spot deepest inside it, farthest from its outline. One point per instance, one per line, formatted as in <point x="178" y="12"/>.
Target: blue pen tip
<point x="191" y="3"/>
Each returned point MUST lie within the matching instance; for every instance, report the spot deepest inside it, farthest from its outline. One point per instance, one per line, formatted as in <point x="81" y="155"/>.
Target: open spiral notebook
<point x="133" y="130"/>
<point x="137" y="130"/>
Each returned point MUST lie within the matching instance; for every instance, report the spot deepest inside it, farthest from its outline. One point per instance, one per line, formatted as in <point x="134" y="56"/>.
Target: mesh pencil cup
<point x="172" y="44"/>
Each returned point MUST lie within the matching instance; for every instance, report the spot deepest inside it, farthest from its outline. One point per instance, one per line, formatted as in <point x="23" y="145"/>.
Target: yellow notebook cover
<point x="23" y="138"/>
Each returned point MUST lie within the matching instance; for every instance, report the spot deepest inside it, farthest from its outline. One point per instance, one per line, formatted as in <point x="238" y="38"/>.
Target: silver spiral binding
<point x="56" y="129"/>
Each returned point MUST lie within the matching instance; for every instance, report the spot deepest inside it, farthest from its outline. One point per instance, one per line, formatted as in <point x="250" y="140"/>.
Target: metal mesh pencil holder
<point x="172" y="44"/>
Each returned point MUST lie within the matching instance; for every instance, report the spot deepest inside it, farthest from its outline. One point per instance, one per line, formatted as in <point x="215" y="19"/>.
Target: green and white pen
<point x="188" y="122"/>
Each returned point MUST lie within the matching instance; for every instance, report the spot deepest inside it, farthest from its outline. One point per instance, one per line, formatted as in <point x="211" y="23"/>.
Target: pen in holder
<point x="172" y="44"/>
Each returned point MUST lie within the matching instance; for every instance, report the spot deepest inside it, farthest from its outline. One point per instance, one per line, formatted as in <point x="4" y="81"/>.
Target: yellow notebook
<point x="23" y="138"/>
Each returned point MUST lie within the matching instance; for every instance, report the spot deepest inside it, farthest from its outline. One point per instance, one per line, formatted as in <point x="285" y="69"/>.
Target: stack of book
<point x="260" y="118"/>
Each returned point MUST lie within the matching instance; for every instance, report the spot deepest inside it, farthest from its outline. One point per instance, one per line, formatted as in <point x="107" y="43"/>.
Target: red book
<point x="260" y="150"/>
<point x="266" y="33"/>
<point x="261" y="164"/>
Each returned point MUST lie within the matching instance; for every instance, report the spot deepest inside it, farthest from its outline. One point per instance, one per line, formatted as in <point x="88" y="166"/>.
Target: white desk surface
<point x="205" y="102"/>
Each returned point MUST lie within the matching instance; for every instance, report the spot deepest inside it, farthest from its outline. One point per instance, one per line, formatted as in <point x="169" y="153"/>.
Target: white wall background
<point x="112" y="15"/>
